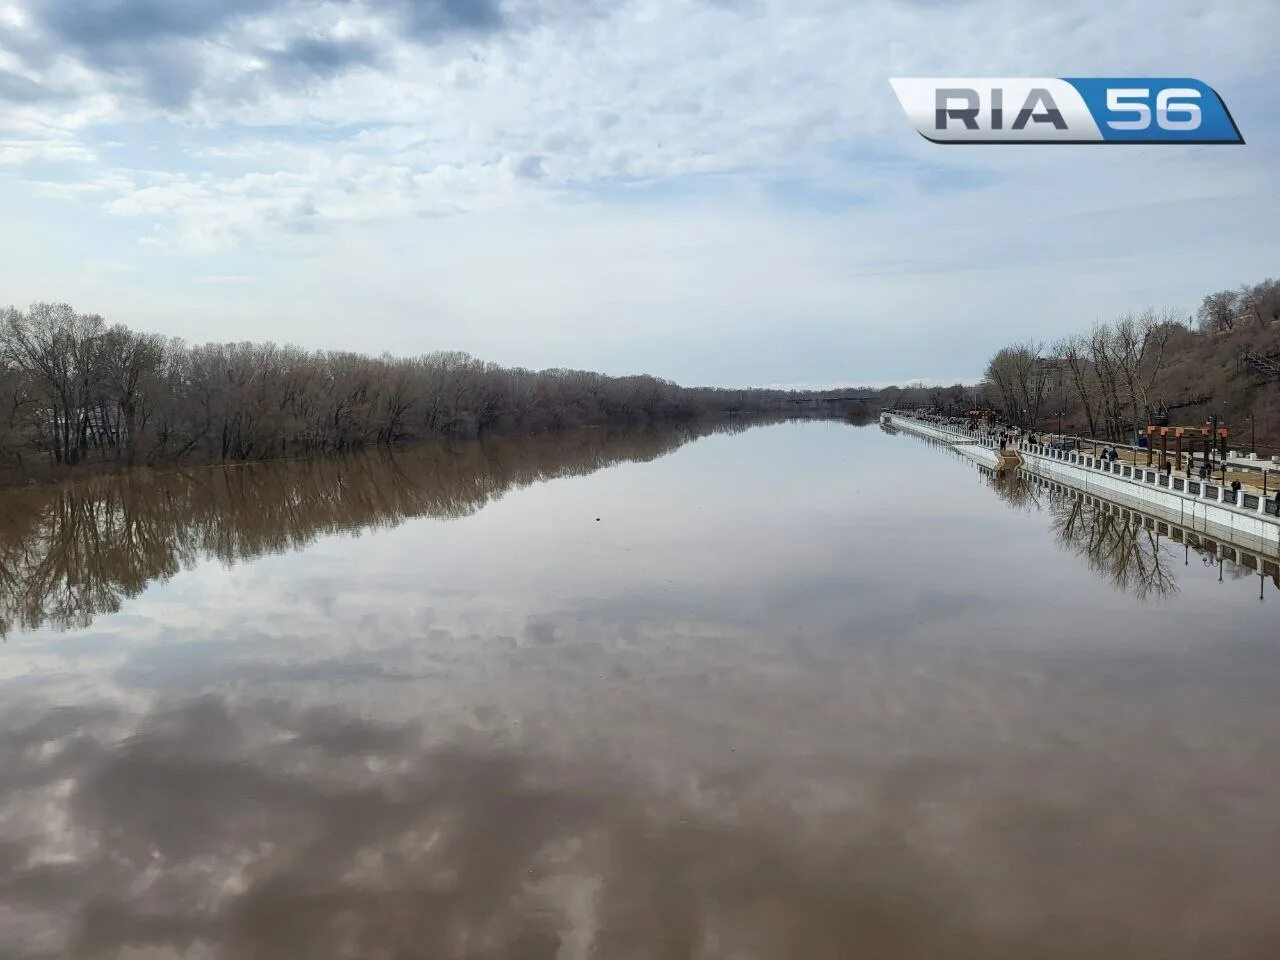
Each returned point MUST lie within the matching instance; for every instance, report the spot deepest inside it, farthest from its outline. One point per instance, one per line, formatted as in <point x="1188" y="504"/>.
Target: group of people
<point x="1006" y="435"/>
<point x="1204" y="471"/>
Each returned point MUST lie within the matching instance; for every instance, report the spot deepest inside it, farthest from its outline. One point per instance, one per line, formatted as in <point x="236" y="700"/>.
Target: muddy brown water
<point x="805" y="690"/>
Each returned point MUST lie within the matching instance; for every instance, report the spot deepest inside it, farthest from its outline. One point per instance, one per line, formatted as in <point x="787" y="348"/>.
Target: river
<point x="804" y="690"/>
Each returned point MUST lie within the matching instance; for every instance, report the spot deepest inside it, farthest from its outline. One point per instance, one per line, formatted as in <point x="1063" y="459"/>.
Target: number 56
<point x="1170" y="104"/>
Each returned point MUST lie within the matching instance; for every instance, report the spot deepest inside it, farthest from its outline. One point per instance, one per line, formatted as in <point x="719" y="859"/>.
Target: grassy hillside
<point x="1208" y="364"/>
<point x="1121" y="375"/>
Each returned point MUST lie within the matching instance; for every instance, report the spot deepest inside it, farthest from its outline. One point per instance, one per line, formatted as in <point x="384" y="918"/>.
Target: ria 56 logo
<point x="1066" y="110"/>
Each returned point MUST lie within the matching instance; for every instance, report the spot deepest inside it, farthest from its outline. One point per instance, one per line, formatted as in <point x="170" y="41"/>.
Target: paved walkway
<point x="1250" y="480"/>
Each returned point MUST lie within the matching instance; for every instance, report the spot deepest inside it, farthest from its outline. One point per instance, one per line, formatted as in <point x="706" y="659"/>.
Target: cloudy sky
<point x="716" y="191"/>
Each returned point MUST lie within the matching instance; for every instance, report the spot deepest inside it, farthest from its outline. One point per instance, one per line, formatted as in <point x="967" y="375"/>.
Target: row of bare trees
<point x="73" y="389"/>
<point x="1111" y="372"/>
<point x="1108" y="375"/>
<point x="1019" y="377"/>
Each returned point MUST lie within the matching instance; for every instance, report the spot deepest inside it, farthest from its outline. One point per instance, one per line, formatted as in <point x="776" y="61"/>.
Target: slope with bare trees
<point x="1151" y="366"/>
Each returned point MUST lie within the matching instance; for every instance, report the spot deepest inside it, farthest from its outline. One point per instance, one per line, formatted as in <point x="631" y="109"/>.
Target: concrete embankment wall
<point x="969" y="446"/>
<point x="1189" y="503"/>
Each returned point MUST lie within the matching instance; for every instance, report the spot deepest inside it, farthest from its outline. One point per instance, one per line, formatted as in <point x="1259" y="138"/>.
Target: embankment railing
<point x="1184" y="488"/>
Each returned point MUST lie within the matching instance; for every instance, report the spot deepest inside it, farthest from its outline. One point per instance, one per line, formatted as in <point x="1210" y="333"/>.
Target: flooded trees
<point x="69" y="553"/>
<point x="58" y="354"/>
<point x="131" y="386"/>
<point x="17" y="420"/>
<point x="73" y="389"/>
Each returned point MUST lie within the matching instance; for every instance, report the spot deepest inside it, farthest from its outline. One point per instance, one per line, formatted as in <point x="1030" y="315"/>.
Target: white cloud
<point x="702" y="170"/>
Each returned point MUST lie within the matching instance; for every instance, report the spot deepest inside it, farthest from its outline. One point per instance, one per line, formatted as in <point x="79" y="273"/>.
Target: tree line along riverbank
<point x="1143" y="367"/>
<point x="77" y="392"/>
<point x="1153" y="367"/>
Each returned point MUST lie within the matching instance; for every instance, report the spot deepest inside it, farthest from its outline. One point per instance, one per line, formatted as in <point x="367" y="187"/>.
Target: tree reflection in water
<point x="71" y="553"/>
<point x="1133" y="551"/>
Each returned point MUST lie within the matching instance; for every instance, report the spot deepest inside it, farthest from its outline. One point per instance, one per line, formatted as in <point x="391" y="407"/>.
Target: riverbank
<point x="43" y="473"/>
<point x="975" y="448"/>
<point x="1211" y="507"/>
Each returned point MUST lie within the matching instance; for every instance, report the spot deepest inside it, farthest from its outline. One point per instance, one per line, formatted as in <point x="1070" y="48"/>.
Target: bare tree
<point x="58" y="349"/>
<point x="1073" y="353"/>
<point x="131" y="364"/>
<point x="1218" y="311"/>
<point x="1105" y="365"/>
<point x="1020" y="377"/>
<point x="1138" y="345"/>
<point x="1260" y="301"/>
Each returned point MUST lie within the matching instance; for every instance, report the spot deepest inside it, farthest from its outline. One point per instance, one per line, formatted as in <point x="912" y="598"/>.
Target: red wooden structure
<point x="1191" y="433"/>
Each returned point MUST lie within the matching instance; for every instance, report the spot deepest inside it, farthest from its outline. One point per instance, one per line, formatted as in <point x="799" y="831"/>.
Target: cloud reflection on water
<point x="671" y="734"/>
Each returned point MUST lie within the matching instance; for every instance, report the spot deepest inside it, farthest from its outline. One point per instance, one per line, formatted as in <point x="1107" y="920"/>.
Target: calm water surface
<point x="803" y="691"/>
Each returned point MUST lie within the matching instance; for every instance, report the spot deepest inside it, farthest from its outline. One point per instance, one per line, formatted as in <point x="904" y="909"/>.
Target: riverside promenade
<point x="1194" y="504"/>
<point x="976" y="448"/>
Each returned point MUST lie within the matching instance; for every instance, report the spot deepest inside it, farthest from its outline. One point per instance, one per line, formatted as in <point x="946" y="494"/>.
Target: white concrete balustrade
<point x="1190" y="501"/>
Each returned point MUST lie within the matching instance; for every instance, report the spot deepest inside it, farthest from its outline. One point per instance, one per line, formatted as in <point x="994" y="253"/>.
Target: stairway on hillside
<point x="1267" y="367"/>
